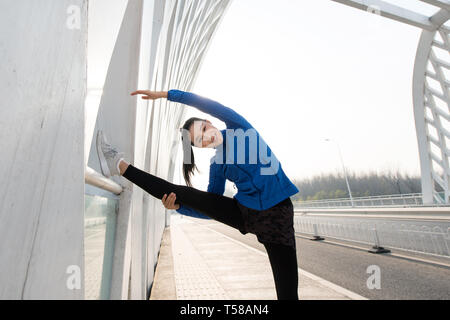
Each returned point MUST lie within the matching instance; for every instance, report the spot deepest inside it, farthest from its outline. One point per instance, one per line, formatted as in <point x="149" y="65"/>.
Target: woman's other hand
<point x="150" y="95"/>
<point x="169" y="202"/>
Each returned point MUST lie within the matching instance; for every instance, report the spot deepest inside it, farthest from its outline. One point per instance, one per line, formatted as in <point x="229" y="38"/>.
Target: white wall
<point x="42" y="90"/>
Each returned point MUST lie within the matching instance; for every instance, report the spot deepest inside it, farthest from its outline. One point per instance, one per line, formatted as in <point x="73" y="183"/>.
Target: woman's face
<point x="205" y="135"/>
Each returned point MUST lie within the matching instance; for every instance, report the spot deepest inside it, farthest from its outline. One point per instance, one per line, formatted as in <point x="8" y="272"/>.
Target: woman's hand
<point x="151" y="95"/>
<point x="169" y="202"/>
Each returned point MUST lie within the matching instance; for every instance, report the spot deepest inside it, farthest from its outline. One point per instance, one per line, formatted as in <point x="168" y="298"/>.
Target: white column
<point x="42" y="90"/>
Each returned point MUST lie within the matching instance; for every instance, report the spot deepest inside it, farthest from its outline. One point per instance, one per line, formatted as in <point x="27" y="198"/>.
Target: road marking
<point x="326" y="283"/>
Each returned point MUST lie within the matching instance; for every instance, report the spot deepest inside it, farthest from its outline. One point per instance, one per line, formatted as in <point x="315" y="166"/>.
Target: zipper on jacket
<point x="251" y="181"/>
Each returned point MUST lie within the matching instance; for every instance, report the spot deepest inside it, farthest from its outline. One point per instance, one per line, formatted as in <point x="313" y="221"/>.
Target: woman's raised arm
<point x="214" y="108"/>
<point x="151" y="95"/>
<point x="217" y="110"/>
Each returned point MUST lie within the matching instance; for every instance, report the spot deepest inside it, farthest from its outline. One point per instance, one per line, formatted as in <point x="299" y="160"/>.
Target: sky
<point x="304" y="71"/>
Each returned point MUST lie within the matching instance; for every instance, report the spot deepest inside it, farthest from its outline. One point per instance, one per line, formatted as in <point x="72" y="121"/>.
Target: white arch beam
<point x="394" y="12"/>
<point x="431" y="121"/>
<point x="444" y="4"/>
<point x="42" y="89"/>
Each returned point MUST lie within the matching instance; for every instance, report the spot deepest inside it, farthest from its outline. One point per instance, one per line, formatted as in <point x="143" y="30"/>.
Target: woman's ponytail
<point x="188" y="153"/>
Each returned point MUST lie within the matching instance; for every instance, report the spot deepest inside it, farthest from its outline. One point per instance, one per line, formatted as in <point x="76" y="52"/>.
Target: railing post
<point x="377" y="248"/>
<point x="316" y="234"/>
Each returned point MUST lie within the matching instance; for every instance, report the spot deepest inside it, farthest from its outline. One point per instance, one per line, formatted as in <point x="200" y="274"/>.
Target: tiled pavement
<point x="199" y="263"/>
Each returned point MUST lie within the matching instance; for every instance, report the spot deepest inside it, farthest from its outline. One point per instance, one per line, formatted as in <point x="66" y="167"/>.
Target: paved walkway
<point x="199" y="263"/>
<point x="94" y="246"/>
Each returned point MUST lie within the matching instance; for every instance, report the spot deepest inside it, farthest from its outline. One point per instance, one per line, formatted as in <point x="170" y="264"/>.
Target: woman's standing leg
<point x="283" y="260"/>
<point x="274" y="228"/>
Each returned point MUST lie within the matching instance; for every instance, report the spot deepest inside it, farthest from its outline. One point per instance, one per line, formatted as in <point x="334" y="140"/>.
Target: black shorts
<point x="274" y="225"/>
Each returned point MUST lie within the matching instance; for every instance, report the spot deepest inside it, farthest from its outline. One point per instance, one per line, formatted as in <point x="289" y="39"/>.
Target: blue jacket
<point x="243" y="158"/>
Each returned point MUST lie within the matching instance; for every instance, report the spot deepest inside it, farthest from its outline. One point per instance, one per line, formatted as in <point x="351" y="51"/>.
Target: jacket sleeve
<point x="186" y="211"/>
<point x="231" y="118"/>
<point x="216" y="185"/>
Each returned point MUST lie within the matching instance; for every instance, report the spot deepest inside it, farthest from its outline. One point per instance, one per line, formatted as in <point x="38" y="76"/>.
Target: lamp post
<point x="345" y="171"/>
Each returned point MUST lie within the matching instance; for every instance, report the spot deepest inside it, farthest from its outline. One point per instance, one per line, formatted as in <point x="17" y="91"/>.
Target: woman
<point x="261" y="206"/>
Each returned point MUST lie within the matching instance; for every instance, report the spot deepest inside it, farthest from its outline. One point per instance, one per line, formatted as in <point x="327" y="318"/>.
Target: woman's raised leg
<point x="217" y="207"/>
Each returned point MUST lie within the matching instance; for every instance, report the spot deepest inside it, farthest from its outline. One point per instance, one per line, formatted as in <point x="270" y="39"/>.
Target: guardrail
<point x="396" y="200"/>
<point x="92" y="222"/>
<point x="414" y="234"/>
<point x="96" y="179"/>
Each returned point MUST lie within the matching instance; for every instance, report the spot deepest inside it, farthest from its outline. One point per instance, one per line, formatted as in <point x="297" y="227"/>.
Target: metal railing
<point x="96" y="179"/>
<point x="396" y="200"/>
<point x="418" y="236"/>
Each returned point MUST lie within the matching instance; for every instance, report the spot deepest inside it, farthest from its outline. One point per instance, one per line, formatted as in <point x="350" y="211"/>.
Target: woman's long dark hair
<point x="188" y="164"/>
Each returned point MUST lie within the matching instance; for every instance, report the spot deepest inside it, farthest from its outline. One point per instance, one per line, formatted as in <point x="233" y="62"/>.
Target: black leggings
<point x="283" y="259"/>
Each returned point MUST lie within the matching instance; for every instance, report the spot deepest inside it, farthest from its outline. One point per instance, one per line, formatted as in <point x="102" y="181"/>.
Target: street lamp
<point x="345" y="171"/>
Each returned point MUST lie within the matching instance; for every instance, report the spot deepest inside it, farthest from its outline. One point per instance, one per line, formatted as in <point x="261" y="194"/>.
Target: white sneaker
<point x="108" y="155"/>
